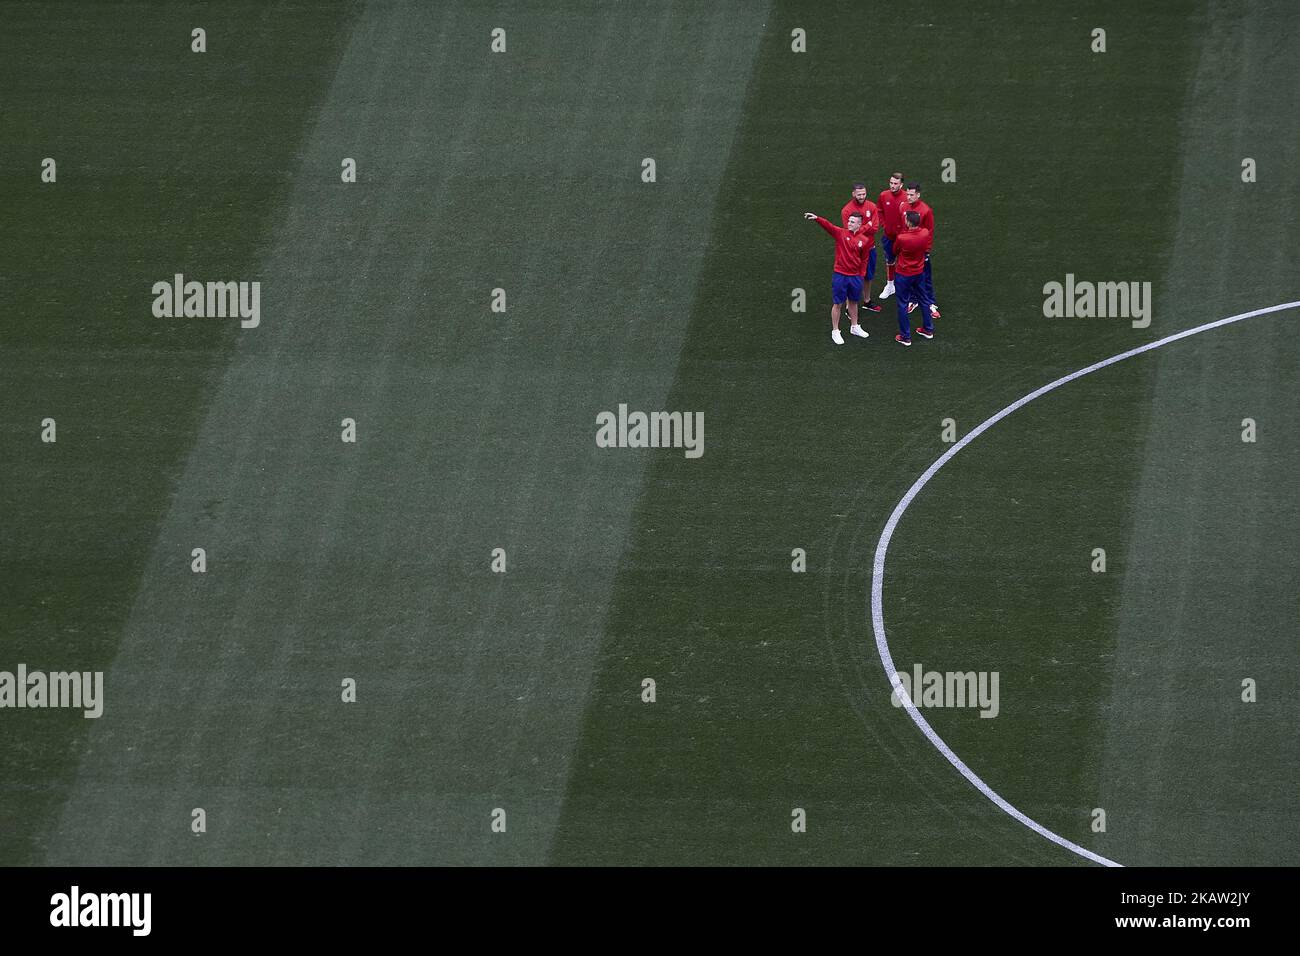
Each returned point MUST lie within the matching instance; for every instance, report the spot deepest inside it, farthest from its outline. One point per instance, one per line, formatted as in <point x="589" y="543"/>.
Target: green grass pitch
<point x="499" y="274"/>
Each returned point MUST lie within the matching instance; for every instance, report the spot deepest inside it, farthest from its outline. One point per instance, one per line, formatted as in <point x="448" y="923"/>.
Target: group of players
<point x="906" y="225"/>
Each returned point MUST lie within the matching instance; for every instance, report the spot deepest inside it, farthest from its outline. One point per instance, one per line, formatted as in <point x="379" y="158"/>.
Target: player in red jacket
<point x="912" y="247"/>
<point x="916" y="203"/>
<point x="890" y="206"/>
<point x="851" y="248"/>
<point x="864" y="207"/>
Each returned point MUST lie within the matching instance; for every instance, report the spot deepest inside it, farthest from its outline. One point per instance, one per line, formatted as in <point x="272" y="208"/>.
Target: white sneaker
<point x="911" y="307"/>
<point x="836" y="337"/>
<point x="934" y="311"/>
<point x="887" y="291"/>
<point x="859" y="331"/>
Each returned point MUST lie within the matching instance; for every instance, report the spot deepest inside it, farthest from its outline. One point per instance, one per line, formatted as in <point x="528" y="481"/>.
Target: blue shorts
<point x="889" y="249"/>
<point x="845" y="287"/>
<point x="871" y="264"/>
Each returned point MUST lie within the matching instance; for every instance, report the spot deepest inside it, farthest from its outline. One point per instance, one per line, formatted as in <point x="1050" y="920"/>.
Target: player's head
<point x="855" y="221"/>
<point x="913" y="218"/>
<point x="860" y="192"/>
<point x="913" y="191"/>
<point x="895" y="182"/>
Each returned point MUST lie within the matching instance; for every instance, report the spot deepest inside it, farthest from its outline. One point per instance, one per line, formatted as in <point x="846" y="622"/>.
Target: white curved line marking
<point x="878" y="569"/>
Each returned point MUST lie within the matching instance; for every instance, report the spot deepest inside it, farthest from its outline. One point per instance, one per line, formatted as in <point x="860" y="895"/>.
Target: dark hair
<point x="913" y="217"/>
<point x="898" y="176"/>
<point x="857" y="186"/>
<point x="914" y="185"/>
<point x="855" y="215"/>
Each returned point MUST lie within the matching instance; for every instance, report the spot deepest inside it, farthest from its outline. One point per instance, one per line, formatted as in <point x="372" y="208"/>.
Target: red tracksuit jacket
<point x="891" y="211"/>
<point x="851" y="248"/>
<point x="870" y="223"/>
<point x="910" y="246"/>
<point x="923" y="210"/>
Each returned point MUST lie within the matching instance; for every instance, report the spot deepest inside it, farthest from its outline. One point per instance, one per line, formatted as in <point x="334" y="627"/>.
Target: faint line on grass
<point x="882" y="548"/>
